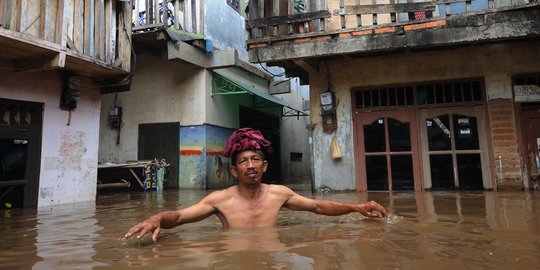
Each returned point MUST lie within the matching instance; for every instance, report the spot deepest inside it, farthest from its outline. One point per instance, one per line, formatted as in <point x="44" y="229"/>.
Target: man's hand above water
<point x="371" y="209"/>
<point x="151" y="224"/>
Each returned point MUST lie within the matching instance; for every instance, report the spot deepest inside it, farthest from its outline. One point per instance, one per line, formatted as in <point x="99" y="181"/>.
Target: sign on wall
<point x="526" y="93"/>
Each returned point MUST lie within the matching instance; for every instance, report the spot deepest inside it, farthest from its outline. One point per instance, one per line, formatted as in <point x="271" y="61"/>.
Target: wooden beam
<point x="385" y="8"/>
<point x="287" y="19"/>
<point x="41" y="62"/>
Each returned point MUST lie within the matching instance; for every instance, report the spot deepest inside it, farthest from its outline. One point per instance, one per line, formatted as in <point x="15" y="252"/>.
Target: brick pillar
<point x="505" y="145"/>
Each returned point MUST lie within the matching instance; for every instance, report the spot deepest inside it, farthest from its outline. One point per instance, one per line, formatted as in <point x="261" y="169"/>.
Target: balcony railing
<point x="89" y="36"/>
<point x="270" y="21"/>
<point x="185" y="15"/>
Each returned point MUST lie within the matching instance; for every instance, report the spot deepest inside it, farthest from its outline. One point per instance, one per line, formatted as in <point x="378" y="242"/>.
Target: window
<point x="422" y="94"/>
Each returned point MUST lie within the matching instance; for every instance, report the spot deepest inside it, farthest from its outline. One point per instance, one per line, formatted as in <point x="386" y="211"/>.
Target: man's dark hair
<point x="235" y="156"/>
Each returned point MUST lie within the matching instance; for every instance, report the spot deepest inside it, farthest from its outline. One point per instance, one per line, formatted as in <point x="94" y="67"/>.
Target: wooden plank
<point x="148" y="14"/>
<point x="385" y="8"/>
<point x="286" y="19"/>
<point x="200" y="19"/>
<point x="43" y="8"/>
<point x="3" y="11"/>
<point x="124" y="36"/>
<point x="60" y="35"/>
<point x="8" y="7"/>
<point x="110" y="30"/>
<point x="195" y="15"/>
<point x="90" y="28"/>
<point x="99" y="26"/>
<point x="16" y="22"/>
<point x="86" y="26"/>
<point x="68" y="21"/>
<point x="177" y="20"/>
<point x="30" y="17"/>
<point x="260" y="9"/>
<point x="155" y="12"/>
<point x="78" y="25"/>
<point x="165" y="14"/>
<point x="187" y="16"/>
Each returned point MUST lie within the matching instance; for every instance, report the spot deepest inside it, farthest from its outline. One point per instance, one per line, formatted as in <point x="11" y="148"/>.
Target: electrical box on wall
<point x="115" y="117"/>
<point x="70" y="92"/>
<point x="328" y="111"/>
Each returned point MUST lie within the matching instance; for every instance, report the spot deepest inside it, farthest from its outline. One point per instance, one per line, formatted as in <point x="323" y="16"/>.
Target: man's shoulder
<point x="279" y="189"/>
<point x="221" y="194"/>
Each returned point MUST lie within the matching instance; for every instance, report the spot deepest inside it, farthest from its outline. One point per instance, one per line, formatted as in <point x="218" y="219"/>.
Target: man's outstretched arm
<point x="171" y="219"/>
<point x="333" y="208"/>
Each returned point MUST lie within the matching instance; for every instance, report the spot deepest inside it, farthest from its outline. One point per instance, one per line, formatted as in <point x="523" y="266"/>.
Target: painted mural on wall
<point x="201" y="163"/>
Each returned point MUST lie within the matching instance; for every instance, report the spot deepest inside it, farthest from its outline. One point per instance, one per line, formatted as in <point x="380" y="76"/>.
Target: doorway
<point x="161" y="141"/>
<point x="454" y="148"/>
<point x="388" y="156"/>
<point x="269" y="125"/>
<point x="530" y="121"/>
<point x="20" y="153"/>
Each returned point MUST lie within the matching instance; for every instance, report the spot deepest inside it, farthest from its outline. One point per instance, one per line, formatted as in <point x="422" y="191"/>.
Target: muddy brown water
<point x="426" y="230"/>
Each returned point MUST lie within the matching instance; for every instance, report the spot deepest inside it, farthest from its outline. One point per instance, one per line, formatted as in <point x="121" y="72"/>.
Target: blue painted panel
<point x="478" y="5"/>
<point x="442" y="10"/>
<point x="457" y="8"/>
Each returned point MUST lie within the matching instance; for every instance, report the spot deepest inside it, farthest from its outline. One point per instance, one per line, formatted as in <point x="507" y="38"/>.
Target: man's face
<point x="249" y="167"/>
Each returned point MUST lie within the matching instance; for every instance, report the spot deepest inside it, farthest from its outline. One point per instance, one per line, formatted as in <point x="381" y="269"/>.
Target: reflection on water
<point x="425" y="230"/>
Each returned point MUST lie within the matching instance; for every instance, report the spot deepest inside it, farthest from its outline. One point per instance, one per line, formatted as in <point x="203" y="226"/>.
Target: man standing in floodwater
<point x="250" y="203"/>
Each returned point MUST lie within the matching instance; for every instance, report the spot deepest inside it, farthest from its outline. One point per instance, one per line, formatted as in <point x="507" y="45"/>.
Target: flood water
<point x="426" y="230"/>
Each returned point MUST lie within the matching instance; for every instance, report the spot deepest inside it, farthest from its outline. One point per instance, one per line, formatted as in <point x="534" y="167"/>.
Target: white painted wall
<point x="497" y="63"/>
<point x="68" y="168"/>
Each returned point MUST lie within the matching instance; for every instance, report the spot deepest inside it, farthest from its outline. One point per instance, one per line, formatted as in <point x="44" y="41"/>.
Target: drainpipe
<point x="311" y="160"/>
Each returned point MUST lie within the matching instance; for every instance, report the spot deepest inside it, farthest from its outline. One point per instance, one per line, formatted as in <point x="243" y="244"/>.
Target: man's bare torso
<point x="260" y="210"/>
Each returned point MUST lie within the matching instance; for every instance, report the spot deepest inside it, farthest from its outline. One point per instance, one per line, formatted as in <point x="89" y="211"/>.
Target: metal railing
<point x="185" y="15"/>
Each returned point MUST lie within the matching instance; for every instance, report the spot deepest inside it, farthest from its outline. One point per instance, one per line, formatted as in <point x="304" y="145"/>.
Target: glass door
<point x="387" y="151"/>
<point x="454" y="149"/>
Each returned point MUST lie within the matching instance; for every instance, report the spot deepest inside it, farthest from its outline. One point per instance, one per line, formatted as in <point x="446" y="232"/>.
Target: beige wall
<point x="497" y="63"/>
<point x="68" y="167"/>
<point x="162" y="91"/>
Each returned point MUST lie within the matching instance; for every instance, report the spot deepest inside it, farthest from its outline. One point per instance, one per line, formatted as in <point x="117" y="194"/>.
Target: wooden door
<point x="454" y="148"/>
<point x="387" y="151"/>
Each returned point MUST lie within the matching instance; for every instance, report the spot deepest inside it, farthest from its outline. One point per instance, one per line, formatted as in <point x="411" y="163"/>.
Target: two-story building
<point x="417" y="95"/>
<point x="56" y="59"/>
<point x="192" y="87"/>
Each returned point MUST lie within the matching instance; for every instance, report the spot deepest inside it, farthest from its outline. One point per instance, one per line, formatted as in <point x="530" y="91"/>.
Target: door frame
<point x="483" y="139"/>
<point x="359" y="150"/>
<point x="522" y="120"/>
<point x="32" y="133"/>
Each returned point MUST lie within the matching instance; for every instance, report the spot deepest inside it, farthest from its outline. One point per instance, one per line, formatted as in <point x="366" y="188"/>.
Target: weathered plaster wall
<point x="162" y="91"/>
<point x="497" y="63"/>
<point x="69" y="155"/>
<point x="225" y="27"/>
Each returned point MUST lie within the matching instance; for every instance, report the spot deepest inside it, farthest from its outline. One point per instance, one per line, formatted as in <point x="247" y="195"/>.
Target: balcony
<point x="154" y="23"/>
<point x="299" y="34"/>
<point x="89" y="38"/>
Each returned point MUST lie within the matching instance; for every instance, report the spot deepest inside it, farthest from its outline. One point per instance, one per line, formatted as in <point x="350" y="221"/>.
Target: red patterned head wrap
<point x="246" y="139"/>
